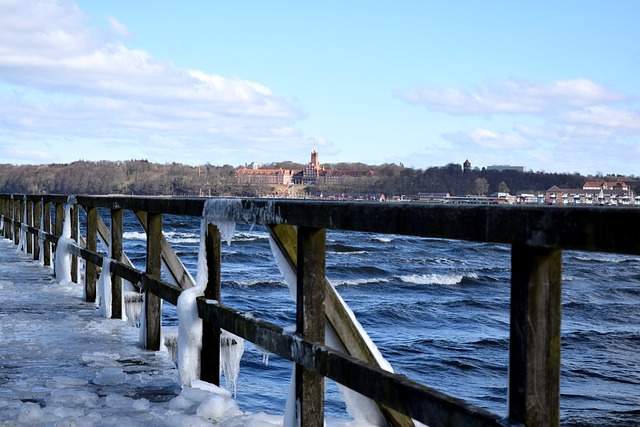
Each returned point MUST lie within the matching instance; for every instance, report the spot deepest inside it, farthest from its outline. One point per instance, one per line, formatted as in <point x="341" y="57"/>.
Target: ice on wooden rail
<point x="225" y="213"/>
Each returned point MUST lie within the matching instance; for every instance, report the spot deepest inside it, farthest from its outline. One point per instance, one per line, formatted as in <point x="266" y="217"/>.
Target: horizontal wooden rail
<point x="419" y="402"/>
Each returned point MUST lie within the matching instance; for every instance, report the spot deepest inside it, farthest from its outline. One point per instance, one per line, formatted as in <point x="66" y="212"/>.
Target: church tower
<point x="315" y="163"/>
<point x="466" y="166"/>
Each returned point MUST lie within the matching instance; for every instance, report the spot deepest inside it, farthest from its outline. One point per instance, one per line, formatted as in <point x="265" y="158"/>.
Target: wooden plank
<point x="285" y="237"/>
<point x="153" y="306"/>
<point x="310" y="320"/>
<point x="91" y="272"/>
<point x="534" y="353"/>
<point x="210" y="353"/>
<point x="116" y="254"/>
<point x="175" y="266"/>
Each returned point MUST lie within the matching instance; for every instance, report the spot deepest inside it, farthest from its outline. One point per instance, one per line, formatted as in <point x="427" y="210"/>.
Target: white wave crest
<point x="436" y="279"/>
<point x="356" y="282"/>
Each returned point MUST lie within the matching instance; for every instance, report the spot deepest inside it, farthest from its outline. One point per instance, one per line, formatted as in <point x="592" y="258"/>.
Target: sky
<point x="551" y="86"/>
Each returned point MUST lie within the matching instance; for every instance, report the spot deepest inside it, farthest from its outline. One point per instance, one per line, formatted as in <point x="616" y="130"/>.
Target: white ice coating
<point x="103" y="299"/>
<point x="62" y="255"/>
<point x="359" y="407"/>
<point x="221" y="214"/>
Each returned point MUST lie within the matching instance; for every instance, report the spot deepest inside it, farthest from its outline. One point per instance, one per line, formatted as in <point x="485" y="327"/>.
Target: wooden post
<point x="17" y="213"/>
<point x="152" y="303"/>
<point x="116" y="254"/>
<point x="37" y="213"/>
<point x="75" y="218"/>
<point x="59" y="219"/>
<point x="534" y="354"/>
<point x="47" y="228"/>
<point x="90" y="273"/>
<point x="29" y="221"/>
<point x="310" y="306"/>
<point x="210" y="353"/>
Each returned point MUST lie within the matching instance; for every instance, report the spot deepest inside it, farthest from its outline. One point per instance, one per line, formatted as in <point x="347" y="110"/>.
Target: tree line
<point x="140" y="177"/>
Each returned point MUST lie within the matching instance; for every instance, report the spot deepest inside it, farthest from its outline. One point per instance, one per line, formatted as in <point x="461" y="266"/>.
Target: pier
<point x="537" y="236"/>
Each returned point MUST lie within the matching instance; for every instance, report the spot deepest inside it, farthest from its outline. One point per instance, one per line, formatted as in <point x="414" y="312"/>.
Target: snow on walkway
<point x="62" y="365"/>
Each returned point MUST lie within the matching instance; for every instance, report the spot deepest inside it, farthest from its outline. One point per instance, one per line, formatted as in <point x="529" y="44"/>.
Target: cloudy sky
<point x="548" y="85"/>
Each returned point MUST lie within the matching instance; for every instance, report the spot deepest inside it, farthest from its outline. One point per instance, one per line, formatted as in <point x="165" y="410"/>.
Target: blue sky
<point x="547" y="85"/>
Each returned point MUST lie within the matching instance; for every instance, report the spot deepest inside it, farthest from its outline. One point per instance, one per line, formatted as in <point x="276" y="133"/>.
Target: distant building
<point x="466" y="166"/>
<point x="502" y="168"/>
<point x="591" y="193"/>
<point x="313" y="173"/>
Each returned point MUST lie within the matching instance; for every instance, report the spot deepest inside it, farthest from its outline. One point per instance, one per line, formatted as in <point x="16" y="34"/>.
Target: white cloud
<point x="118" y="27"/>
<point x="513" y="97"/>
<point x="606" y="117"/>
<point x="491" y="139"/>
<point x="65" y="78"/>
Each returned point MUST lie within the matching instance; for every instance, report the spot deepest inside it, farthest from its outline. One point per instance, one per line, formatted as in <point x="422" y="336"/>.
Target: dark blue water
<point x="439" y="312"/>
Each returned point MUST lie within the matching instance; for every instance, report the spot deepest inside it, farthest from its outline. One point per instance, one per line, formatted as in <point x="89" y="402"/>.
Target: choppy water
<point x="439" y="312"/>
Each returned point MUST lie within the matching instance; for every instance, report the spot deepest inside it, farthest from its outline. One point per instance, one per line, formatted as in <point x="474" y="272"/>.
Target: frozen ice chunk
<point x="216" y="406"/>
<point x="73" y="398"/>
<point x="119" y="401"/>
<point x="111" y="376"/>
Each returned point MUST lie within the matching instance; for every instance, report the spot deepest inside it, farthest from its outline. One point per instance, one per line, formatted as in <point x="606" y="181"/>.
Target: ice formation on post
<point x="23" y="229"/>
<point x="103" y="299"/>
<point x="222" y="214"/>
<point x="63" y="256"/>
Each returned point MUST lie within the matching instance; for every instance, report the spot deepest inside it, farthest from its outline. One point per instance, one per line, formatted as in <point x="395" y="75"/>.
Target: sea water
<point x="439" y="312"/>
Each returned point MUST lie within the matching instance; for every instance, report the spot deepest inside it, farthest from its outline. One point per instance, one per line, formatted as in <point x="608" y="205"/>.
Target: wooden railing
<point x="537" y="236"/>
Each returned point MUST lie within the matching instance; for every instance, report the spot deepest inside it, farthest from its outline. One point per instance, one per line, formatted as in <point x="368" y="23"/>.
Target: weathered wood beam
<point x="152" y="307"/>
<point x="310" y="303"/>
<point x="337" y="316"/>
<point x="210" y="353"/>
<point x="91" y="271"/>
<point x="75" y="220"/>
<point x="534" y="354"/>
<point x="117" y="255"/>
<point x="417" y="401"/>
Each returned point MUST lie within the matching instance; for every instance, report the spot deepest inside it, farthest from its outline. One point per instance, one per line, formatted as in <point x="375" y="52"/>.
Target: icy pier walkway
<point x="60" y="365"/>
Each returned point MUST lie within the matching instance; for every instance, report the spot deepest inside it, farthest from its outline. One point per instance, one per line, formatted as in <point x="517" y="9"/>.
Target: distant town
<point x="389" y="182"/>
<point x="314" y="174"/>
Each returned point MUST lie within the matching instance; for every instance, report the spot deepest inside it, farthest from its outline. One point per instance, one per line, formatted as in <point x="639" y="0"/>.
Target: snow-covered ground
<point x="62" y="365"/>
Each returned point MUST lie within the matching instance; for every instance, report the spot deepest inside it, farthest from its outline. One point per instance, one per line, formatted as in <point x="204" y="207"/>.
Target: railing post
<point x="90" y="273"/>
<point x="152" y="303"/>
<point x="116" y="254"/>
<point x="310" y="307"/>
<point x="37" y="212"/>
<point x="58" y="227"/>
<point x="29" y="221"/>
<point x="210" y="353"/>
<point x="46" y="216"/>
<point x="534" y="355"/>
<point x="75" y="218"/>
<point x="17" y="213"/>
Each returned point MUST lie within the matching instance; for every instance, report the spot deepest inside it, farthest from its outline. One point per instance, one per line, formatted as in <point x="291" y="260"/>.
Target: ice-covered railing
<point x="537" y="236"/>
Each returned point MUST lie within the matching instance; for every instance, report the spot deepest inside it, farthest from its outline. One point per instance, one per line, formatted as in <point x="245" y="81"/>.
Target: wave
<point x="436" y="279"/>
<point x="356" y="282"/>
<point x="382" y="239"/>
<point x="347" y="252"/>
<point x="134" y="235"/>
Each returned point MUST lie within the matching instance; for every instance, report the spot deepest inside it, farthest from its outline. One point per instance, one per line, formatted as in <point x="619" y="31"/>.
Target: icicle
<point x="104" y="289"/>
<point x="231" y="350"/>
<point x="133" y="306"/>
